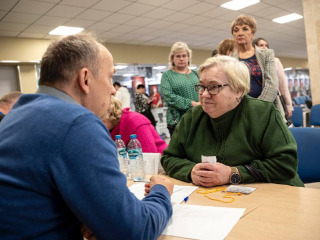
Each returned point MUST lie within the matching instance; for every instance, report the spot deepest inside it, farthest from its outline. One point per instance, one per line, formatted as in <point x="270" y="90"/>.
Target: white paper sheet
<point x="202" y="222"/>
<point x="209" y="159"/>
<point x="178" y="195"/>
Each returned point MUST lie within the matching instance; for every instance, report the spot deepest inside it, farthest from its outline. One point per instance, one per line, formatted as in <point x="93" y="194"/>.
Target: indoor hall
<point x="140" y="34"/>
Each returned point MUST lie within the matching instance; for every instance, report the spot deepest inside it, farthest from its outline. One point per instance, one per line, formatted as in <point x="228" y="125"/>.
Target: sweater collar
<point x="43" y="89"/>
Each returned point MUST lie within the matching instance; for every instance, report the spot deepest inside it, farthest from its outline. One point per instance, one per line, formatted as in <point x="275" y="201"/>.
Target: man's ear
<point x="84" y="80"/>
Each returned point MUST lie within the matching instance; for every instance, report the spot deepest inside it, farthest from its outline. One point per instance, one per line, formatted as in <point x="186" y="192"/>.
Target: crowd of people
<point x="59" y="164"/>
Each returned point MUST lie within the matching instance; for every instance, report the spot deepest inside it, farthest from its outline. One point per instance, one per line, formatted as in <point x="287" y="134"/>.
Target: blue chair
<point x="308" y="142"/>
<point x="297" y="101"/>
<point x="315" y="115"/>
<point x="297" y="117"/>
<point x="302" y="99"/>
<point x="308" y="98"/>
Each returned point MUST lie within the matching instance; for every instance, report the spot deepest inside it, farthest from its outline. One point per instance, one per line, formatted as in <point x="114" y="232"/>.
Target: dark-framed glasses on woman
<point x="212" y="89"/>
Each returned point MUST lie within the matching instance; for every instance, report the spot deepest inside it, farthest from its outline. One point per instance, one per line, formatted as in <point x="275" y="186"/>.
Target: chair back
<point x="302" y="99"/>
<point x="308" y="98"/>
<point x="308" y="142"/>
<point x="297" y="117"/>
<point x="315" y="115"/>
<point x="297" y="101"/>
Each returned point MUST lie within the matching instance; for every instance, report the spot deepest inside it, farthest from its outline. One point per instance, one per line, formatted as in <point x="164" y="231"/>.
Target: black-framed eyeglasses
<point x="212" y="89"/>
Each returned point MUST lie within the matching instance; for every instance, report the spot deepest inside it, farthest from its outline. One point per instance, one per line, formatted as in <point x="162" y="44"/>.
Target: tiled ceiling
<point x="202" y="24"/>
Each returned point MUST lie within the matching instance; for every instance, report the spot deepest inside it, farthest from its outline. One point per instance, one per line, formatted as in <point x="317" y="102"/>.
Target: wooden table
<point x="273" y="211"/>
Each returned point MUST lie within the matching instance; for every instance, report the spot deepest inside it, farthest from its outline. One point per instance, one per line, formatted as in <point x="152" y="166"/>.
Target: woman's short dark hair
<point x="140" y="86"/>
<point x="66" y="56"/>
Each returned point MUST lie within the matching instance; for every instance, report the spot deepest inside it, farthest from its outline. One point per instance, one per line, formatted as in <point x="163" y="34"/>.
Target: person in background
<point x="58" y="164"/>
<point x="142" y="103"/>
<point x="283" y="82"/>
<point x="7" y="101"/>
<point x="214" y="52"/>
<point x="264" y="80"/>
<point x="177" y="84"/>
<point x="125" y="123"/>
<point x="227" y="47"/>
<point x="122" y="94"/>
<point x="247" y="135"/>
<point x="156" y="98"/>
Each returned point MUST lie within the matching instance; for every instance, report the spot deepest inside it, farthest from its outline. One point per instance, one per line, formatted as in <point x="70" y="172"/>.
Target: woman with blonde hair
<point x="177" y="84"/>
<point x="124" y="123"/>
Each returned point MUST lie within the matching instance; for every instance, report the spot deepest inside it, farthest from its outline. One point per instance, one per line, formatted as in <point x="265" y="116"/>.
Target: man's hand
<point x="158" y="180"/>
<point x="87" y="233"/>
<point x="210" y="175"/>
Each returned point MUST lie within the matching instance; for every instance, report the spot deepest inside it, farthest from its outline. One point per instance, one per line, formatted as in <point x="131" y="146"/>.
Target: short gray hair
<point x="7" y="101"/>
<point x="237" y="72"/>
<point x="67" y="55"/>
<point x="178" y="47"/>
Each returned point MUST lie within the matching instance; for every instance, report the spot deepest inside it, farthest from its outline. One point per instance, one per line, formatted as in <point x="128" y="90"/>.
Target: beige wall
<point x="311" y="12"/>
<point x="294" y="62"/>
<point x="28" y="78"/>
<point x="22" y="49"/>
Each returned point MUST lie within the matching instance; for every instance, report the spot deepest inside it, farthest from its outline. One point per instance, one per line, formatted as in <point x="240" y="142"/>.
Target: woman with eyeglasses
<point x="248" y="137"/>
<point x="177" y="84"/>
<point x="264" y="80"/>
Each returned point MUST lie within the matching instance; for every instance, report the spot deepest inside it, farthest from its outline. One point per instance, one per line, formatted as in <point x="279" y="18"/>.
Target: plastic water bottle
<point x="136" y="159"/>
<point x="122" y="155"/>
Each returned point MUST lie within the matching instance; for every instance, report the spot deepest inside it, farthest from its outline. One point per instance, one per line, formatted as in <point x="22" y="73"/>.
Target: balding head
<point x="66" y="56"/>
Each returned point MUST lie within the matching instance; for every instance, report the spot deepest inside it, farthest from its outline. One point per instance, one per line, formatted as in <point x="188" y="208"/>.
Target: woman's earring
<point x="173" y="64"/>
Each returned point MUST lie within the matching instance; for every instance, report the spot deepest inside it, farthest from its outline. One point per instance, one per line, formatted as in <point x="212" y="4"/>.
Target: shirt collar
<point x="43" y="89"/>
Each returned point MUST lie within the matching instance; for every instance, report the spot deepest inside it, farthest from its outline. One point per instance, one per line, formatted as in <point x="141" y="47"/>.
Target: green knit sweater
<point x="178" y="92"/>
<point x="253" y="133"/>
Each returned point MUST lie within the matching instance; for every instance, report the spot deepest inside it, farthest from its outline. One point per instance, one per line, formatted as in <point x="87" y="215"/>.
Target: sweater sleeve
<point x="86" y="172"/>
<point x="270" y="78"/>
<point x="279" y="160"/>
<point x="172" y="99"/>
<point x="174" y="159"/>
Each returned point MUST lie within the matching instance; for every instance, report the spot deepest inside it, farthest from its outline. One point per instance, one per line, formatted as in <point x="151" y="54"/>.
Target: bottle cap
<point x="118" y="136"/>
<point x="133" y="136"/>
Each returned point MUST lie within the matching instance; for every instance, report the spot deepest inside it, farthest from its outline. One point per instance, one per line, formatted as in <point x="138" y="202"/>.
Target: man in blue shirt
<point x="58" y="163"/>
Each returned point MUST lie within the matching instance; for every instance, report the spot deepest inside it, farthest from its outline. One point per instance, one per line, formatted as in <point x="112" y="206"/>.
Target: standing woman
<point x="227" y="47"/>
<point x="263" y="77"/>
<point x="283" y="81"/>
<point x="177" y="84"/>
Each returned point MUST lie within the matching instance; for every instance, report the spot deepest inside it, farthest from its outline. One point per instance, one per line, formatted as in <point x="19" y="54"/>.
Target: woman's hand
<point x="210" y="175"/>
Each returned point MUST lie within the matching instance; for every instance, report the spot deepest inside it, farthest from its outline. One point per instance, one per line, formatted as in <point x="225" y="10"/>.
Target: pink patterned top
<point x="136" y="123"/>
